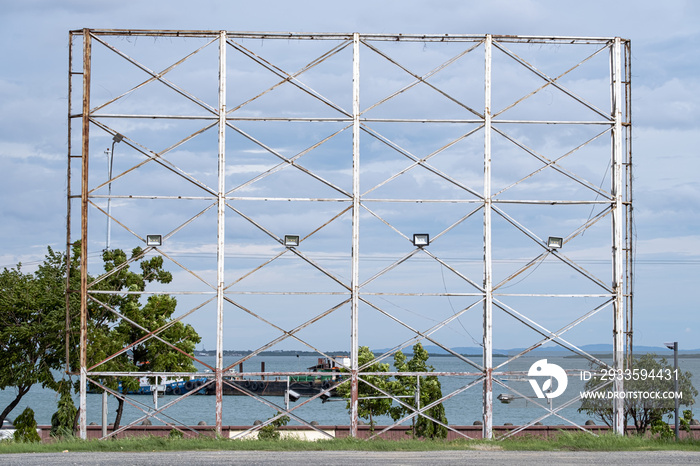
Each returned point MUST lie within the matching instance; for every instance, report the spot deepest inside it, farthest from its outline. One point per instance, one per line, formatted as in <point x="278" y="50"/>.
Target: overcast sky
<point x="666" y="116"/>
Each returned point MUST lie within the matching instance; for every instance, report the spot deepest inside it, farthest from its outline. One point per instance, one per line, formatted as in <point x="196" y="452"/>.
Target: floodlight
<point x="421" y="239"/>
<point x="117" y="137"/>
<point x="291" y="240"/>
<point x="154" y="240"/>
<point x="670" y="345"/>
<point x="554" y="242"/>
<point x="293" y="396"/>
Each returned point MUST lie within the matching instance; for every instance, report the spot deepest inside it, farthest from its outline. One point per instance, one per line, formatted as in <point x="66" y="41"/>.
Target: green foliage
<point x="667" y="432"/>
<point x="270" y="431"/>
<point x="32" y="326"/>
<point x="63" y="419"/>
<point x="686" y="420"/>
<point x="429" y="389"/>
<point x="175" y="434"/>
<point x="644" y="412"/>
<point x="373" y="403"/>
<point x="121" y="319"/>
<point x="25" y="427"/>
<point x="370" y="402"/>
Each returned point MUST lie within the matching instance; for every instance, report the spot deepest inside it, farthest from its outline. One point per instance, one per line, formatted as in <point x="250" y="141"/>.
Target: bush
<point x="25" y="426"/>
<point x="270" y="432"/>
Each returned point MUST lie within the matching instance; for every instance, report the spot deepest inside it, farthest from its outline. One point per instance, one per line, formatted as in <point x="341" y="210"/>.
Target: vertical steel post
<point x="675" y="389"/>
<point x="87" y="54"/>
<point x="488" y="281"/>
<point x="104" y="414"/>
<point x="618" y="244"/>
<point x="417" y="394"/>
<point x="629" y="239"/>
<point x="354" y="345"/>
<point x="221" y="205"/>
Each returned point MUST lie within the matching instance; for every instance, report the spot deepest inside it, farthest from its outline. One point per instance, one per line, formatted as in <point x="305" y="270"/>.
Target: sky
<point x="665" y="114"/>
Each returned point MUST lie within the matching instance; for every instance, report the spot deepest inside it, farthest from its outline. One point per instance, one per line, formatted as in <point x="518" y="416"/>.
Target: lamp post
<point x="674" y="346"/>
<point x="117" y="138"/>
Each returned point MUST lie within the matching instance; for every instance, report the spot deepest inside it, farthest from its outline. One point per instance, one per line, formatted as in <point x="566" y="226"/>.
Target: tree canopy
<point x="32" y="327"/>
<point x="118" y="320"/>
<point x="372" y="402"/>
<point x="33" y="324"/>
<point x="425" y="390"/>
<point x="415" y="392"/>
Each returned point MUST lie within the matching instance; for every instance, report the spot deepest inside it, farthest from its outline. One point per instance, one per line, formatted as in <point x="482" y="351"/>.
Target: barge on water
<point x="167" y="386"/>
<point x="304" y="385"/>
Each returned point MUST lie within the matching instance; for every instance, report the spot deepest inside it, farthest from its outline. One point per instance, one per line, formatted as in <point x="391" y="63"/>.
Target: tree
<point x="118" y="321"/>
<point x="63" y="419"/>
<point x="25" y="427"/>
<point x="652" y="375"/>
<point x="372" y="403"/>
<point x="33" y="324"/>
<point x="32" y="327"/>
<point x="429" y="390"/>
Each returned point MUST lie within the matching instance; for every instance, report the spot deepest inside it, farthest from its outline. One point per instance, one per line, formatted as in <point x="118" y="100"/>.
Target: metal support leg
<point x="87" y="53"/>
<point x="221" y="210"/>
<point x="354" y="344"/>
<point x="618" y="243"/>
<point x="488" y="283"/>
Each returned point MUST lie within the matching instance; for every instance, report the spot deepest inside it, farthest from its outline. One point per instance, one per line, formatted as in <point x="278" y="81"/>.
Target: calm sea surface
<point x="462" y="409"/>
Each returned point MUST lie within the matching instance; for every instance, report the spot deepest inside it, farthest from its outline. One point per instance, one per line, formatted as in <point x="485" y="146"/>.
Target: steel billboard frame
<point x="617" y="201"/>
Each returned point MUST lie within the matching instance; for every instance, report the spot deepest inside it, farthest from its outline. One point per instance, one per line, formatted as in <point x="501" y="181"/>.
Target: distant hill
<point x="555" y="350"/>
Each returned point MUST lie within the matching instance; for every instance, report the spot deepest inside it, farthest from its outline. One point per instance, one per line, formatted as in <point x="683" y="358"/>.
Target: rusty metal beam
<point x="85" y="153"/>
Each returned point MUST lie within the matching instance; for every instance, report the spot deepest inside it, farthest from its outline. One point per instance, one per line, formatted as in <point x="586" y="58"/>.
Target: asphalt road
<point x="333" y="458"/>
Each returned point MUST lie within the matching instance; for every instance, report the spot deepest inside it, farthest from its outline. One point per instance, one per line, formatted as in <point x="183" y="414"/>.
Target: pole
<point x="286" y="396"/>
<point x="110" y="163"/>
<point x="221" y="209"/>
<point x="354" y="342"/>
<point x="109" y="197"/>
<point x="87" y="54"/>
<point x="488" y="278"/>
<point x="675" y="386"/>
<point x="104" y="413"/>
<point x="618" y="210"/>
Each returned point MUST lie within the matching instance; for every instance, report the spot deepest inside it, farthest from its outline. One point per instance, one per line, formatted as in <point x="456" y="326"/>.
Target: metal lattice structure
<point x="487" y="143"/>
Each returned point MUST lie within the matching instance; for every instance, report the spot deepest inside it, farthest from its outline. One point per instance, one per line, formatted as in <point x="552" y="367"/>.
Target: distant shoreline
<point x="290" y="353"/>
<point x="235" y="353"/>
<point x="610" y="355"/>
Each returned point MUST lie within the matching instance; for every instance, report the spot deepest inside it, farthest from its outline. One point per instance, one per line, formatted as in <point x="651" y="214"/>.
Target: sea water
<point x="462" y="408"/>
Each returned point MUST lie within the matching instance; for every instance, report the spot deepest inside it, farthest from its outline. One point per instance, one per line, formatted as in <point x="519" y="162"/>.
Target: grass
<point x="563" y="442"/>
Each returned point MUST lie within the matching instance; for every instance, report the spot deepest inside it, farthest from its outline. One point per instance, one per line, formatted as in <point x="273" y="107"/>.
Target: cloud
<point x="33" y="101"/>
<point x="25" y="151"/>
<point x="672" y="104"/>
<point x="674" y="246"/>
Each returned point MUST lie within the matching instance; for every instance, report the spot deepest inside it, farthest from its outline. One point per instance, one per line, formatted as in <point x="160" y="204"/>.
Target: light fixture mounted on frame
<point x="291" y="240"/>
<point x="421" y="239"/>
<point x="154" y="240"/>
<point x="555" y="242"/>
